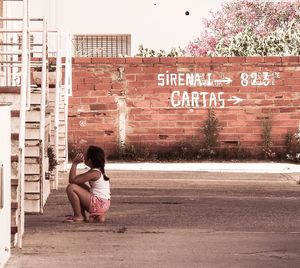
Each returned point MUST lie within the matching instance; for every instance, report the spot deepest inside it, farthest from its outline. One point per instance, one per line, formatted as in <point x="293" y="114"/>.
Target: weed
<point x="267" y="140"/>
<point x="211" y="131"/>
<point x="52" y="159"/>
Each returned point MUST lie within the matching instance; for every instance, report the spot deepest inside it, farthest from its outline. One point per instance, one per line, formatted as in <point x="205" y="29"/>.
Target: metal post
<point x="56" y="107"/>
<point x="68" y="87"/>
<point x="28" y="69"/>
<point x="43" y="114"/>
<point x="22" y="123"/>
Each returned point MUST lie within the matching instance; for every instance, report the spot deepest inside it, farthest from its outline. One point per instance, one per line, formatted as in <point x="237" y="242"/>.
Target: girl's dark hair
<point x="97" y="157"/>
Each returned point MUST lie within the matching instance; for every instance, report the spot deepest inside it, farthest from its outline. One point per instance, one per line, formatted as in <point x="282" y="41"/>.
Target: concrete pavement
<point x="174" y="219"/>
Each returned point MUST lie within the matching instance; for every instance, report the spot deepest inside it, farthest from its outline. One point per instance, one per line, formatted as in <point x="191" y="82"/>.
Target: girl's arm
<point x="78" y="159"/>
<point x="82" y="178"/>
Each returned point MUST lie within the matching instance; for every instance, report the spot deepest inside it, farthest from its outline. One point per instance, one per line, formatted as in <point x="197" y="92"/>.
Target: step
<point x="14" y="136"/>
<point x="14" y="158"/>
<point x="13" y="229"/>
<point x="32" y="196"/>
<point x="15" y="126"/>
<point x="10" y="89"/>
<point x="32" y="169"/>
<point x="14" y="204"/>
<point x="32" y="160"/>
<point x="32" y="151"/>
<point x="14" y="99"/>
<point x="33" y="116"/>
<point x="32" y="131"/>
<point x="15" y="147"/>
<point x="32" y="205"/>
<point x="14" y="192"/>
<point x="32" y="187"/>
<point x="14" y="182"/>
<point x="35" y="98"/>
<point x="32" y="178"/>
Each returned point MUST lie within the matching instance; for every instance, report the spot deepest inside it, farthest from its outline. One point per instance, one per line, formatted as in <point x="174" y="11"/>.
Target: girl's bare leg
<point x="79" y="199"/>
<point x="86" y="187"/>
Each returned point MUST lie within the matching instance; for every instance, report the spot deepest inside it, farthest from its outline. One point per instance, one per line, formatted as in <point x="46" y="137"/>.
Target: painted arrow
<point x="226" y="80"/>
<point x="235" y="99"/>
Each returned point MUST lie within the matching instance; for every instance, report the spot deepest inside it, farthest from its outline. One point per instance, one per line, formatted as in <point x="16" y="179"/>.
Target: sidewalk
<point x="259" y="167"/>
<point x="223" y="216"/>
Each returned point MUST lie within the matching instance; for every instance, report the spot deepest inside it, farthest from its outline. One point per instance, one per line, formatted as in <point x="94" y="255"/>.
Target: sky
<point x="157" y="24"/>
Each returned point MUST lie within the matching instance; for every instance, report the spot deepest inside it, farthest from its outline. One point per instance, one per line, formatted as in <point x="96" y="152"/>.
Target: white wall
<point x="5" y="145"/>
<point x="159" y="24"/>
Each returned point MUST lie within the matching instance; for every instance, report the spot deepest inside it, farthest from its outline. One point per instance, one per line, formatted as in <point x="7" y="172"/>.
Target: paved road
<point x="174" y="219"/>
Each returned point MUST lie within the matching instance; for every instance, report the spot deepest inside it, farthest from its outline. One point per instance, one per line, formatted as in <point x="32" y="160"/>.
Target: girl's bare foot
<point x="97" y="218"/>
<point x="74" y="219"/>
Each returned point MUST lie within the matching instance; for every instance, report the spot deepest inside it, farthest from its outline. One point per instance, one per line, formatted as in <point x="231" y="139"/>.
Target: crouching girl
<point x="95" y="197"/>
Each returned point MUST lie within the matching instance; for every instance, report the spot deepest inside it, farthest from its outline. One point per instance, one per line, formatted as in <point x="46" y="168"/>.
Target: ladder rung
<point x="10" y="44"/>
<point x="41" y="31"/>
<point x="20" y="19"/>
<point x="19" y="52"/>
<point x="10" y="31"/>
<point x="19" y="64"/>
<point x="41" y="52"/>
<point x="9" y="62"/>
<point x="18" y="44"/>
<point x="16" y="52"/>
<point x="10" y="65"/>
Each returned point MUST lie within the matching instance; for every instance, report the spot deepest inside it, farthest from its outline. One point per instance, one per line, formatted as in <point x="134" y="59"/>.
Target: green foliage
<point x="250" y="28"/>
<point x="267" y="140"/>
<point x="292" y="143"/>
<point x="211" y="131"/>
<point x="129" y="152"/>
<point x="52" y="159"/>
<point x="148" y="52"/>
<point x="278" y="43"/>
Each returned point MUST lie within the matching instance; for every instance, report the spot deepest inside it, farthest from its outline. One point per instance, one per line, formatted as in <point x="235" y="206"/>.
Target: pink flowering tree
<point x="250" y="27"/>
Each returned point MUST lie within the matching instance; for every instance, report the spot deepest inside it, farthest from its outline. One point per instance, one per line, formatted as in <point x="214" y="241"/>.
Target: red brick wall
<point x="153" y="122"/>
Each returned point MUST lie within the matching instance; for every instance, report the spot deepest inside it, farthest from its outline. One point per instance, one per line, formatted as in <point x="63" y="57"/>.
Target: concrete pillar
<point x="122" y="120"/>
<point x="5" y="182"/>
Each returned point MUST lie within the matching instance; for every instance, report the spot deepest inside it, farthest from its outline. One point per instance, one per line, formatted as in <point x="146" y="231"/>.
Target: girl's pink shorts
<point x="98" y="206"/>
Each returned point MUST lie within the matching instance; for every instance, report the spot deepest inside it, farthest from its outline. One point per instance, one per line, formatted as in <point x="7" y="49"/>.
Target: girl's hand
<point x="79" y="158"/>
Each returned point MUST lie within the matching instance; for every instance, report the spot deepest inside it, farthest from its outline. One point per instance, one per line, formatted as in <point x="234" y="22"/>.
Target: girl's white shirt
<point x="100" y="187"/>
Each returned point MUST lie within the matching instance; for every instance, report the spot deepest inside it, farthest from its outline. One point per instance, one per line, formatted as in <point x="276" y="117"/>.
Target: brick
<point x="135" y="60"/>
<point x="272" y="59"/>
<point x="82" y="60"/>
<point x="117" y="61"/>
<point x="185" y="60"/>
<point x="236" y="59"/>
<point x="130" y="77"/>
<point x="86" y="87"/>
<point x="151" y="60"/>
<point x="102" y="86"/>
<point x="168" y="60"/>
<point x="254" y="59"/>
<point x="292" y="81"/>
<point x="133" y="70"/>
<point x="143" y="77"/>
<point x="88" y="100"/>
<point x="287" y="109"/>
<point x="117" y="86"/>
<point x="136" y="84"/>
<point x="290" y="59"/>
<point x="77" y="80"/>
<point x="202" y="59"/>
<point x="155" y="119"/>
<point x="94" y="107"/>
<point x="219" y="60"/>
<point x="100" y="60"/>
